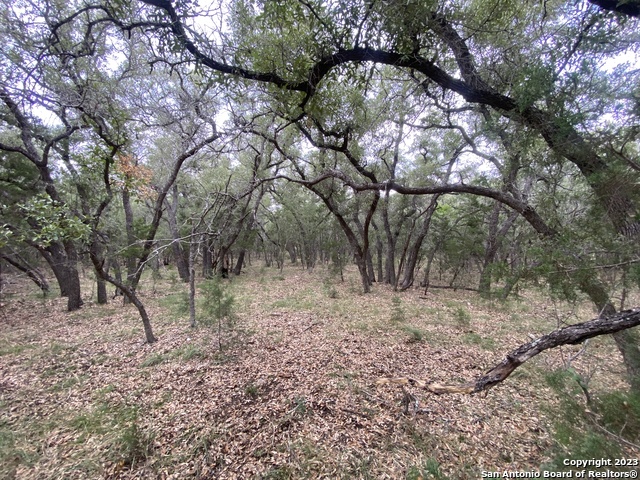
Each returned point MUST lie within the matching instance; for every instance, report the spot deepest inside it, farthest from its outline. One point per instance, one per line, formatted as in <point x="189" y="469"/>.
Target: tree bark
<point x="240" y="262"/>
<point x="414" y="251"/>
<point x="192" y="279"/>
<point x="129" y="292"/>
<point x="176" y="245"/>
<point x="571" y="335"/>
<point x="130" y="257"/>
<point x="22" y="265"/>
<point x="101" y="284"/>
<point x="63" y="261"/>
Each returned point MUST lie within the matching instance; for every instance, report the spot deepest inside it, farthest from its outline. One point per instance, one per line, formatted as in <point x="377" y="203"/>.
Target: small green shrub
<point x="415" y="334"/>
<point x="462" y="318"/>
<point x="252" y="391"/>
<point x="329" y="287"/>
<point x="591" y="429"/>
<point x="133" y="444"/>
<point x="486" y="343"/>
<point x="397" y="312"/>
<point x="217" y="304"/>
<point x="177" y="303"/>
<point x="300" y="406"/>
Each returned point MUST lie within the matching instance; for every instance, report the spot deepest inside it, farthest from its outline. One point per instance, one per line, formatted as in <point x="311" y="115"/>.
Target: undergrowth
<point x="587" y="425"/>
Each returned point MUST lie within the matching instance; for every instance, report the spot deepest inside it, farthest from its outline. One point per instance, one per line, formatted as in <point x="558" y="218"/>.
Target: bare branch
<point x="571" y="335"/>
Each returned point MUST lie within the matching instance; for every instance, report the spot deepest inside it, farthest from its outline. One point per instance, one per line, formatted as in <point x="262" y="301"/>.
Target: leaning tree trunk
<point x="129" y="292"/>
<point x="22" y="265"/>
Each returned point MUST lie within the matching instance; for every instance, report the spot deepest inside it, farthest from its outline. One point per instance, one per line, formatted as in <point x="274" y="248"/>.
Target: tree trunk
<point x="118" y="275"/>
<point x="101" y="284"/>
<point x="18" y="262"/>
<point x="129" y="292"/>
<point x="240" y="263"/>
<point x="63" y="261"/>
<point x="362" y="269"/>
<point x="130" y="258"/>
<point x="494" y="241"/>
<point x="371" y="274"/>
<point x="193" y="248"/>
<point x="414" y="251"/>
<point x="390" y="250"/>
<point x="571" y="335"/>
<point x="627" y="341"/>
<point x="379" y="255"/>
<point x="490" y="251"/>
<point x="176" y="245"/>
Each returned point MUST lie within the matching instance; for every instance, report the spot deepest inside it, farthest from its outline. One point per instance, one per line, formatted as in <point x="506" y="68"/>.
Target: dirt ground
<point x="291" y="394"/>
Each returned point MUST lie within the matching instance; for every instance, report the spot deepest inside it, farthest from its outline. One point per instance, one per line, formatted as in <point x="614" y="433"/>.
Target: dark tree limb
<point x="631" y="8"/>
<point x="614" y="193"/>
<point x="33" y="273"/>
<point x="523" y="208"/>
<point x="571" y="335"/>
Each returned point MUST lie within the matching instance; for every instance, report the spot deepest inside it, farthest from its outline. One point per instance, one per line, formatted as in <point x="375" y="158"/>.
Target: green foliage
<point x="177" y="303"/>
<point x="299" y="406"/>
<point x="415" y="334"/>
<point x="11" y="453"/>
<point x="590" y="429"/>
<point x="429" y="469"/>
<point x="218" y="306"/>
<point x="54" y="222"/>
<point x="328" y="285"/>
<point x="462" y="318"/>
<point x="397" y="312"/>
<point x="217" y="302"/>
<point x="127" y="442"/>
<point x="486" y="343"/>
<point x="251" y="390"/>
<point x="189" y="352"/>
<point x="133" y="444"/>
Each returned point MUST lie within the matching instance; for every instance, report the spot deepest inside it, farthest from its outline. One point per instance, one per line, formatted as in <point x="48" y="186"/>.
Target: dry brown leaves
<point x="292" y="396"/>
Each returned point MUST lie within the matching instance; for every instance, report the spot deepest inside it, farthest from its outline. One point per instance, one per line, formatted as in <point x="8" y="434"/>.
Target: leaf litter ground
<point x="292" y="394"/>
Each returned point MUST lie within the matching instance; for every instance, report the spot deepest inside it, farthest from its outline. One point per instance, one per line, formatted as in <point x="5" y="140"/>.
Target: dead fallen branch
<point x="571" y="335"/>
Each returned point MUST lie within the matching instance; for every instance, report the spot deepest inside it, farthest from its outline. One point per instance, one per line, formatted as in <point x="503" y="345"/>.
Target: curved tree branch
<point x="523" y="208"/>
<point x="571" y="335"/>
<point x="558" y="133"/>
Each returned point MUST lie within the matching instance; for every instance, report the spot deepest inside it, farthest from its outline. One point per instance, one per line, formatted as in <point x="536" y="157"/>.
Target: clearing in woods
<point x="291" y="395"/>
